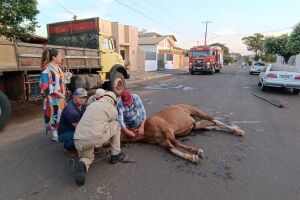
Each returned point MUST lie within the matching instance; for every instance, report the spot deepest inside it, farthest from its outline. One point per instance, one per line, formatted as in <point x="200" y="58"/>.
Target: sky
<point x="231" y="19"/>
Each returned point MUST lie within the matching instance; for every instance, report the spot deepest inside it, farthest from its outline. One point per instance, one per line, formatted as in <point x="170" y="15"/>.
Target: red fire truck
<point x="205" y="59"/>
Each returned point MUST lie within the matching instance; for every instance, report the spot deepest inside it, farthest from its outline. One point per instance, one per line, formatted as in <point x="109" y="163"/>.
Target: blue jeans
<point x="133" y="123"/>
<point x="67" y="138"/>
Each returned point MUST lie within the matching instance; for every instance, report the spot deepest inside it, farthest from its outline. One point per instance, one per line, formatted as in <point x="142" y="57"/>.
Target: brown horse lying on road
<point x="173" y="121"/>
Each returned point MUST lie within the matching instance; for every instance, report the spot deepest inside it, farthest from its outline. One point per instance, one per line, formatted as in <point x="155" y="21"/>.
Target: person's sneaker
<point x="70" y="152"/>
<point x="117" y="158"/>
<point x="79" y="172"/>
<point x="54" y="136"/>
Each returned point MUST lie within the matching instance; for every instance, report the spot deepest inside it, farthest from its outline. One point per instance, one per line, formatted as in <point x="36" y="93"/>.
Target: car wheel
<point x="296" y="91"/>
<point x="250" y="73"/>
<point x="192" y="72"/>
<point x="259" y="83"/>
<point x="263" y="88"/>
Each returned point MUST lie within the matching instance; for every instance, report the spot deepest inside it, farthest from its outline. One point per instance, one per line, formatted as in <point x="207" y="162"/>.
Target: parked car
<point x="280" y="75"/>
<point x="256" y="67"/>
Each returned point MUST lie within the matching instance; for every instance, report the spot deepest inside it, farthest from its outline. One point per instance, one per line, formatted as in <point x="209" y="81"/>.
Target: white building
<point x="160" y="52"/>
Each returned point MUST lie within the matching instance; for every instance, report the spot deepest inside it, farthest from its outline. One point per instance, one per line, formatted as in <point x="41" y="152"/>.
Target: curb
<point x="148" y="78"/>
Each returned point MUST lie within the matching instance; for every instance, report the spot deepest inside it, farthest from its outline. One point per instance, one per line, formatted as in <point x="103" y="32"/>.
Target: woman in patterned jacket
<point x="53" y="89"/>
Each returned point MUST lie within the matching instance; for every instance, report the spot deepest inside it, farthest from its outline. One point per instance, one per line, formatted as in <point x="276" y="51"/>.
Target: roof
<point x="151" y="41"/>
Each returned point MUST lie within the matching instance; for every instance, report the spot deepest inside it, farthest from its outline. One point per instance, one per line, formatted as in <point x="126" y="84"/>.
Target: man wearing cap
<point x="97" y="126"/>
<point x="132" y="114"/>
<point x="97" y="96"/>
<point x="70" y="117"/>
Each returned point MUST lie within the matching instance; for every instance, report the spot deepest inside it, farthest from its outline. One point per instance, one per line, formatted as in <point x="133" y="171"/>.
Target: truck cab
<point x="87" y="33"/>
<point x="205" y="59"/>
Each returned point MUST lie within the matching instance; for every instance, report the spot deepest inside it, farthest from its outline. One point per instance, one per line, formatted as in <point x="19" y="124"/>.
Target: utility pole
<point x="206" y="22"/>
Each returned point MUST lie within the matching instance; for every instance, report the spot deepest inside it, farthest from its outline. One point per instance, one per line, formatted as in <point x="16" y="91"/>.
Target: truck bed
<point x="27" y="57"/>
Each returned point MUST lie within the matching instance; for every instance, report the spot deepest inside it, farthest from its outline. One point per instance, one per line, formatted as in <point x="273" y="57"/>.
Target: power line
<point x="74" y="16"/>
<point x="146" y="16"/>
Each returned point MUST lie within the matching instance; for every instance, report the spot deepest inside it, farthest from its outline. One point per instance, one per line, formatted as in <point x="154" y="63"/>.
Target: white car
<point x="256" y="67"/>
<point x="280" y="75"/>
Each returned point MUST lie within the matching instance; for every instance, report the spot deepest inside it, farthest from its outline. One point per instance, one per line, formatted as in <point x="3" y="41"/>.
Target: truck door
<point x="108" y="56"/>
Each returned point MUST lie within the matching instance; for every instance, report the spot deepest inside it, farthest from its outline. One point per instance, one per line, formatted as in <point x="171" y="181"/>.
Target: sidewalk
<point x="140" y="76"/>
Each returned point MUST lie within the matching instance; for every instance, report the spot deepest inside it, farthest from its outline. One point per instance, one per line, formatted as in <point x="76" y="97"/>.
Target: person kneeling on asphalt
<point x="97" y="96"/>
<point x="132" y="114"/>
<point x="70" y="117"/>
<point x="97" y="126"/>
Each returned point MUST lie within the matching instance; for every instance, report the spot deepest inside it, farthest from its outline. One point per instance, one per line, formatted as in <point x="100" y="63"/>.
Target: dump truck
<point x="89" y="56"/>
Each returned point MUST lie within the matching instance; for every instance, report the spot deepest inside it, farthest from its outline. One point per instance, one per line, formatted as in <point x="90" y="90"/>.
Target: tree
<point x="18" y="18"/>
<point x="294" y="40"/>
<point x="269" y="58"/>
<point x="224" y="48"/>
<point x="227" y="59"/>
<point x="278" y="45"/>
<point x="255" y="43"/>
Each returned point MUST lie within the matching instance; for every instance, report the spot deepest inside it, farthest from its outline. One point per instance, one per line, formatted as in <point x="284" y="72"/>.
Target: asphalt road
<point x="265" y="164"/>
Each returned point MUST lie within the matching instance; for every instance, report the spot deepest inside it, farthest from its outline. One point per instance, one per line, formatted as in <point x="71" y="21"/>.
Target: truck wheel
<point x="117" y="83"/>
<point x="5" y="110"/>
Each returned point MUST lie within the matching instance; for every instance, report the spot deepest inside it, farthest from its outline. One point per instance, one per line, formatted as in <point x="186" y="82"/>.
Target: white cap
<point x="99" y="93"/>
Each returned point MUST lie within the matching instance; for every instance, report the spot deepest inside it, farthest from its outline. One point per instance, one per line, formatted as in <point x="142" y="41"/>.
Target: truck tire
<point x="5" y="110"/>
<point x="86" y="81"/>
<point x="117" y="83"/>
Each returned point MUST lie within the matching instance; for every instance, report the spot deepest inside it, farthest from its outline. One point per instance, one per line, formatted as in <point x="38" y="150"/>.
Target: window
<point x="150" y="55"/>
<point x="106" y="43"/>
<point x="169" y="57"/>
<point x="259" y="64"/>
<point x="200" y="53"/>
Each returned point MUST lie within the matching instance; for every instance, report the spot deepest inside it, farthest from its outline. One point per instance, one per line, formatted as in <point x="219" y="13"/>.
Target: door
<point x="108" y="56"/>
<point x="160" y="61"/>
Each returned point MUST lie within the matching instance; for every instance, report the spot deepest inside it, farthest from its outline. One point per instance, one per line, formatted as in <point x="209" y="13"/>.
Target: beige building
<point x="126" y="41"/>
<point x="160" y="52"/>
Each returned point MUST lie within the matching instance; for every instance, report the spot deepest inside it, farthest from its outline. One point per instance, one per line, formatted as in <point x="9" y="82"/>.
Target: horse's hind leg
<point x="196" y="151"/>
<point x="234" y="129"/>
<point x="218" y="126"/>
<point x="170" y="147"/>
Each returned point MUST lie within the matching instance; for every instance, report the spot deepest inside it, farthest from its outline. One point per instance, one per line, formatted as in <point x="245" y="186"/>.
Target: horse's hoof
<point x="200" y="154"/>
<point x="195" y="159"/>
<point x="239" y="131"/>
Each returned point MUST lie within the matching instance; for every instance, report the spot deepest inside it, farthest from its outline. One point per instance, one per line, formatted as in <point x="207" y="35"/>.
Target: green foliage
<point x="278" y="45"/>
<point x="227" y="59"/>
<point x="294" y="41"/>
<point x="224" y="48"/>
<point x="269" y="58"/>
<point x="246" y="59"/>
<point x="18" y="18"/>
<point x="255" y="43"/>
